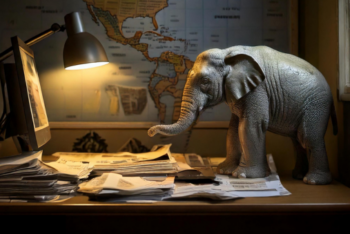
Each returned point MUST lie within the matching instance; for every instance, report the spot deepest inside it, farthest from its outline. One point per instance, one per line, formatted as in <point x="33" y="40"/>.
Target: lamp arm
<point x="54" y="28"/>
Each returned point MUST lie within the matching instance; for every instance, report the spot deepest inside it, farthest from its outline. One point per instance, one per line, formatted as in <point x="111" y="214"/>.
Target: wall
<point x="318" y="45"/>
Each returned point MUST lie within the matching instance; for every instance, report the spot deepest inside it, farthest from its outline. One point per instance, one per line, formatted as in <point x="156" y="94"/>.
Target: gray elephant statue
<point x="266" y="90"/>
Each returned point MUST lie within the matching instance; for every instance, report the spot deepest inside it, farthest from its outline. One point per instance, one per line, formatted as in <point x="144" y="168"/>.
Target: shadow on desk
<point x="180" y="223"/>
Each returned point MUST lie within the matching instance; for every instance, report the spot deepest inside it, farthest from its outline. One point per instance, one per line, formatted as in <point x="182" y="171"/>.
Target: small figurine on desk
<point x="266" y="90"/>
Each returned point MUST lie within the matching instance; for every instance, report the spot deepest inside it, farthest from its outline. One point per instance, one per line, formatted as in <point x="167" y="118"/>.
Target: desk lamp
<point x="81" y="50"/>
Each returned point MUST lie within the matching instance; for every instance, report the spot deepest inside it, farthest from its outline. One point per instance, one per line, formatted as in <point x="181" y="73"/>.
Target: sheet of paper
<point x="212" y="191"/>
<point x="113" y="181"/>
<point x="181" y="162"/>
<point x="115" y="158"/>
<point x="21" y="159"/>
<point x="79" y="169"/>
<point x="268" y="186"/>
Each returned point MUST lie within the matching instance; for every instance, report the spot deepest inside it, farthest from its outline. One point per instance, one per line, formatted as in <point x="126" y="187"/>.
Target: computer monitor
<point x="27" y="118"/>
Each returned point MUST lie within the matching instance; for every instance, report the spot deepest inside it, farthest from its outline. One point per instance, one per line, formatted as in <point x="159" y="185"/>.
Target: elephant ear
<point x="244" y="76"/>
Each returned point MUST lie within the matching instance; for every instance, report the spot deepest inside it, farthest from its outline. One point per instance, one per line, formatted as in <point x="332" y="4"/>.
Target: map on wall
<point x="151" y="46"/>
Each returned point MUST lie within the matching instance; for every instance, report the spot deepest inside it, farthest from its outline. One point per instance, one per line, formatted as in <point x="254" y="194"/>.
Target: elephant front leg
<point x="253" y="163"/>
<point x="233" y="148"/>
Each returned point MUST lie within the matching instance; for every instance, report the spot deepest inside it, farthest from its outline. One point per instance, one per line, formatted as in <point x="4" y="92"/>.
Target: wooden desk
<point x="309" y="208"/>
<point x="334" y="198"/>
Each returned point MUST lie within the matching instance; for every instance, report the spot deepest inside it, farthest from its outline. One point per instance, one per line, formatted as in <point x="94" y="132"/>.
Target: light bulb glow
<point x="86" y="65"/>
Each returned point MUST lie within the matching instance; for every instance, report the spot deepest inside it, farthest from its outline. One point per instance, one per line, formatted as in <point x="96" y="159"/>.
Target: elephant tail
<point x="334" y="120"/>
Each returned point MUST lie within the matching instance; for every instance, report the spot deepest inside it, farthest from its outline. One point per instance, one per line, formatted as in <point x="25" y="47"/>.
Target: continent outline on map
<point x="110" y="19"/>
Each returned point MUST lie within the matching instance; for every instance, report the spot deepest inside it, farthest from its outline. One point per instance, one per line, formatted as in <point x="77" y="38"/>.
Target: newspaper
<point x="231" y="188"/>
<point x="125" y="163"/>
<point x="111" y="183"/>
<point x="193" y="167"/>
<point x="264" y="187"/>
<point x="26" y="178"/>
<point x="212" y="191"/>
<point x="260" y="187"/>
<point x="78" y="169"/>
<point x="114" y="158"/>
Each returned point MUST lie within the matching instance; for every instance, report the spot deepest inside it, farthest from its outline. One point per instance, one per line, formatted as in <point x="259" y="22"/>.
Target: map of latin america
<point x="151" y="46"/>
<point x="113" y="13"/>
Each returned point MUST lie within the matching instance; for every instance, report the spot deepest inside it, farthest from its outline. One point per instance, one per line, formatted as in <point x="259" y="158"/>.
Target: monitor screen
<point x="27" y="109"/>
<point x="35" y="97"/>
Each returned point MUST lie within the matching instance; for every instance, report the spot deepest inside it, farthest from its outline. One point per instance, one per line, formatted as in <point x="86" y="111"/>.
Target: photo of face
<point x="35" y="96"/>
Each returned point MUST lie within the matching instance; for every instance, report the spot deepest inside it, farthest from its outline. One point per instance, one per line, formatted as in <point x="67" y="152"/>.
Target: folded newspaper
<point x="125" y="163"/>
<point x="160" y="161"/>
<point x="26" y="178"/>
<point x="111" y="186"/>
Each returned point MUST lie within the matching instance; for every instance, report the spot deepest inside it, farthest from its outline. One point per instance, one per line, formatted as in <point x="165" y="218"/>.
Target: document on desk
<point x="27" y="178"/>
<point x="112" y="181"/>
<point x="79" y="170"/>
<point x="230" y="188"/>
<point x="125" y="163"/>
<point x="25" y="160"/>
<point x="114" y="158"/>
<point x="193" y="167"/>
<point x="260" y="187"/>
<point x="115" y="184"/>
<point x="212" y="191"/>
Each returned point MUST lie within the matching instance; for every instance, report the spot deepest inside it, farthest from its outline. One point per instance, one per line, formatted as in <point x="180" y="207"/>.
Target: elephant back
<point x="272" y="62"/>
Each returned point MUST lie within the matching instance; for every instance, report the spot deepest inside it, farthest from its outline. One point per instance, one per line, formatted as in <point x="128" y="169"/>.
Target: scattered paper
<point x="103" y="158"/>
<point x="264" y="187"/>
<point x="123" y="185"/>
<point x="26" y="178"/>
<point x="78" y="169"/>
<point x="212" y="191"/>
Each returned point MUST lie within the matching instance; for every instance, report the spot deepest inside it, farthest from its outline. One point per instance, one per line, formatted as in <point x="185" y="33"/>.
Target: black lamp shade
<point x="81" y="50"/>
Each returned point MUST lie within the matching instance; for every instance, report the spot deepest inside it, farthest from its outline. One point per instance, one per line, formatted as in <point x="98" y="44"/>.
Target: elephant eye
<point x="205" y="80"/>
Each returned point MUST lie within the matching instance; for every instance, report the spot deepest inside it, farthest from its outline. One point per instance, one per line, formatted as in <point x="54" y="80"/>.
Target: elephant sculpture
<point x="266" y="90"/>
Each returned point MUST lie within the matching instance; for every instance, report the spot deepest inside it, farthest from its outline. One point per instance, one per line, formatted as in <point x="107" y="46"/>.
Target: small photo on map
<point x="35" y="96"/>
<point x="133" y="100"/>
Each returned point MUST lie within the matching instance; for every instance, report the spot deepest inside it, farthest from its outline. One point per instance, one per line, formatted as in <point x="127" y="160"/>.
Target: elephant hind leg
<point x="301" y="163"/>
<point x="311" y="135"/>
<point x="319" y="172"/>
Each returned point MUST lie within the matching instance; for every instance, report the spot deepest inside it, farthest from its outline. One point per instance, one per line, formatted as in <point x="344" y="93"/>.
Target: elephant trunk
<point x="188" y="114"/>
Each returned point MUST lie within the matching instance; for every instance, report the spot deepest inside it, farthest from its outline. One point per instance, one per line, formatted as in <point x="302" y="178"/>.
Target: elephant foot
<point x="251" y="172"/>
<point x="227" y="167"/>
<point x="298" y="174"/>
<point x="318" y="178"/>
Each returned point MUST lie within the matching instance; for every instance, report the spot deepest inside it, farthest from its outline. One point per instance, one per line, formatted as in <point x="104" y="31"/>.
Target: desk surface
<point x="333" y="198"/>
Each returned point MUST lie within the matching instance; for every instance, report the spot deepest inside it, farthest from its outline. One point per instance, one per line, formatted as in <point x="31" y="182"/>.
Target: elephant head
<point x="216" y="75"/>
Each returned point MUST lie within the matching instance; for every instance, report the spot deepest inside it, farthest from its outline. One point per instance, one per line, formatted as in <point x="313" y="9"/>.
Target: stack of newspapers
<point x="158" y="162"/>
<point x="114" y="187"/>
<point x="27" y="178"/>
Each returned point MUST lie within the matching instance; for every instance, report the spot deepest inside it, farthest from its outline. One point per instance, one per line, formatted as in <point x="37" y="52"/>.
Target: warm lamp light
<point x="86" y="65"/>
<point x="81" y="50"/>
